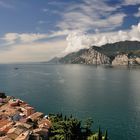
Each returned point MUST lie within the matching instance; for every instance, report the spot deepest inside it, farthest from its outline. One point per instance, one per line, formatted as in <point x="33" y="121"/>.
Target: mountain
<point x="119" y="53"/>
<point x="124" y="47"/>
<point x="55" y="60"/>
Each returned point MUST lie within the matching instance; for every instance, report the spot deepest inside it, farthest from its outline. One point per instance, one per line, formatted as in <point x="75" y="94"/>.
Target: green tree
<point x="99" y="134"/>
<point x="88" y="124"/>
<point x="70" y="128"/>
<point x="106" y="135"/>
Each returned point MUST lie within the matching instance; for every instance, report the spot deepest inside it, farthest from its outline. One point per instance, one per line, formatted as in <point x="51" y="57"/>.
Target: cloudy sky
<point x="38" y="30"/>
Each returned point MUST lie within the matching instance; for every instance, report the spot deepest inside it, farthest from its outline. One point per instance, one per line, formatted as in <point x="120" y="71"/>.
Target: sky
<point x="38" y="30"/>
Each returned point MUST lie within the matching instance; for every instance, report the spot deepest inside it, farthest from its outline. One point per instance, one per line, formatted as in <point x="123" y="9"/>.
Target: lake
<point x="111" y="96"/>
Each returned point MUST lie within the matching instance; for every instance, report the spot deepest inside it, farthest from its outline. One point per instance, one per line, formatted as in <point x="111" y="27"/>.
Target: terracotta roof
<point x="3" y="122"/>
<point x="23" y="136"/>
<point x="5" y="138"/>
<point x="36" y="115"/>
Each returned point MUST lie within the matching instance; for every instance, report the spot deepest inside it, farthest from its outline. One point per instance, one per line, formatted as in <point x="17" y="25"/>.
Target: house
<point x="44" y="123"/>
<point x="28" y="126"/>
<point x="5" y="138"/>
<point x="24" y="136"/>
<point x="3" y="122"/>
<point x="36" y="116"/>
<point x="14" y="102"/>
<point x="5" y="126"/>
<point x="14" y="132"/>
<point x="27" y="110"/>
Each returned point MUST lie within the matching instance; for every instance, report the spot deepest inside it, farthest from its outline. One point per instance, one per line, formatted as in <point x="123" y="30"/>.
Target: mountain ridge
<point x="127" y="52"/>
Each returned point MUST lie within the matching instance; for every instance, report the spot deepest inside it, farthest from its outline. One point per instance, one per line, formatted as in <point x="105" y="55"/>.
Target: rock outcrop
<point x="86" y="56"/>
<point x="124" y="60"/>
<point x="137" y="60"/>
<point x="121" y="60"/>
<point x="92" y="57"/>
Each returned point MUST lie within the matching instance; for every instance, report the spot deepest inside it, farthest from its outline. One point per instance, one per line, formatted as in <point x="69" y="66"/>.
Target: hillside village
<point x="20" y="121"/>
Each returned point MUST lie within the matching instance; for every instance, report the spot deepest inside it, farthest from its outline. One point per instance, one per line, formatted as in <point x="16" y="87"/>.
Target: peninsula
<point x="20" y="121"/>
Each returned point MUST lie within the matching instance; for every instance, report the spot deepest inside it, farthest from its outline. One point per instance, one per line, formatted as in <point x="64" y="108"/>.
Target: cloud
<point x="10" y="38"/>
<point x="5" y="5"/>
<point x="60" y="33"/>
<point x="131" y="2"/>
<point x="79" y="40"/>
<point x="32" y="52"/>
<point x="56" y="3"/>
<point x="42" y="22"/>
<point x="29" y="50"/>
<point x="91" y="15"/>
<point x="83" y="24"/>
<point x="13" y="38"/>
<point x="138" y="13"/>
<point x="27" y="47"/>
<point x="45" y="10"/>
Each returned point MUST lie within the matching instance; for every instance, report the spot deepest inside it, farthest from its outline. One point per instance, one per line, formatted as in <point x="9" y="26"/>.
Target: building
<point x="14" y="132"/>
<point x="36" y="116"/>
<point x="27" y="110"/>
<point x="24" y="136"/>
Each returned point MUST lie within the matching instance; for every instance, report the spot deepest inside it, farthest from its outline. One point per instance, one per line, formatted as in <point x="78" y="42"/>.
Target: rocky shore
<point x="20" y="121"/>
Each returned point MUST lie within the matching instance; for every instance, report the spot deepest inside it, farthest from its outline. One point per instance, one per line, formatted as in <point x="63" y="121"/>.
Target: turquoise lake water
<point x="111" y="96"/>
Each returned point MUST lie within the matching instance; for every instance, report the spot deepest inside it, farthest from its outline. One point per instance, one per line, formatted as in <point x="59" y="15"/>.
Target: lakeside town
<point x="20" y="121"/>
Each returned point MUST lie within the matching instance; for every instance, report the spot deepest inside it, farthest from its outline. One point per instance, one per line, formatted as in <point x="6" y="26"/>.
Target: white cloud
<point x="12" y="38"/>
<point x="42" y="22"/>
<point x="131" y="2"/>
<point x="31" y="37"/>
<point x="45" y="10"/>
<point x="27" y="51"/>
<point x="5" y="5"/>
<point x="32" y="52"/>
<point x="77" y="41"/>
<point x="60" y="33"/>
<point x="56" y="3"/>
<point x="138" y="13"/>
<point x="27" y="47"/>
<point x="89" y="15"/>
<point x="77" y="20"/>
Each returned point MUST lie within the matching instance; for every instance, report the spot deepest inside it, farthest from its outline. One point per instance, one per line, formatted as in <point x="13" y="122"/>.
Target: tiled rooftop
<point x="21" y="130"/>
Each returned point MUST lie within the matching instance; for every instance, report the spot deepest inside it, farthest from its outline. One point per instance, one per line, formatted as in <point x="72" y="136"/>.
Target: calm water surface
<point x="111" y="96"/>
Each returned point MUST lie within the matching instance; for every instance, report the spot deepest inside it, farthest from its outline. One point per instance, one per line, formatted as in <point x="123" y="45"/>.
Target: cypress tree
<point x="106" y="137"/>
<point x="65" y="118"/>
<point x="99" y="134"/>
<point x="61" y="116"/>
